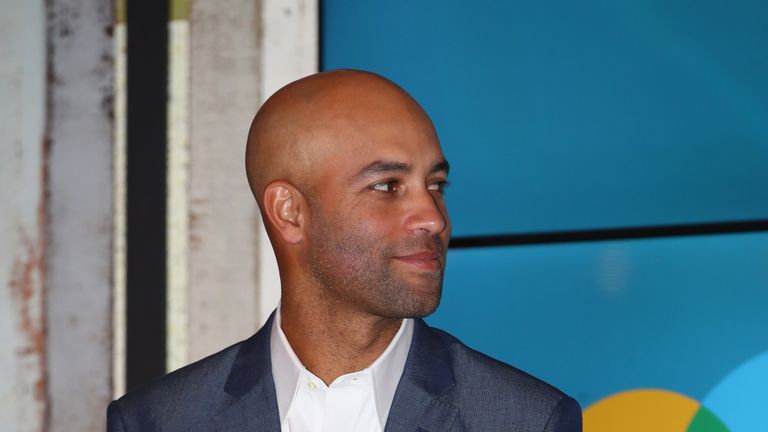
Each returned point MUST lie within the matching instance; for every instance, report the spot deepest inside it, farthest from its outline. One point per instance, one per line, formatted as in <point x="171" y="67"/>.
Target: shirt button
<point x="312" y="385"/>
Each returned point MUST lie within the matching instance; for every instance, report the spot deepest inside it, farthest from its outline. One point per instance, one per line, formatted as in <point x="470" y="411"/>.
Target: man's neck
<point x="332" y="341"/>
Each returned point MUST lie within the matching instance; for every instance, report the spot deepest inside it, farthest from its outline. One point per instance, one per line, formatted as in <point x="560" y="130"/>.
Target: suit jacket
<point x="445" y="386"/>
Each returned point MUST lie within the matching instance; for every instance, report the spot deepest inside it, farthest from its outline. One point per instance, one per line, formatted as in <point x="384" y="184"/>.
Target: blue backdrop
<point x="587" y="115"/>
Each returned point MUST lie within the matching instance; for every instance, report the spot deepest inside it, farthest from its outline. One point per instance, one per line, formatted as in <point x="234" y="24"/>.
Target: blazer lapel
<point x="421" y="402"/>
<point x="252" y="403"/>
<point x="421" y="399"/>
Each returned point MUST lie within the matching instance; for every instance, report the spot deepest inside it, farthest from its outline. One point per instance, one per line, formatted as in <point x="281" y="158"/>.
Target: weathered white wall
<point x="224" y="280"/>
<point x="224" y="60"/>
<point x="56" y="173"/>
<point x="22" y="160"/>
<point x="79" y="239"/>
<point x="55" y="218"/>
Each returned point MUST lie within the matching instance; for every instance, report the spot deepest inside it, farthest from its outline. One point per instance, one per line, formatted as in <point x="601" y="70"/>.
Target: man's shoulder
<point x="208" y="373"/>
<point x="488" y="390"/>
<point x="196" y="389"/>
<point x="474" y="368"/>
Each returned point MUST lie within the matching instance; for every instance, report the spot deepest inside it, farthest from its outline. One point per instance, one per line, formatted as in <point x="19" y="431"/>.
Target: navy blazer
<point x="445" y="386"/>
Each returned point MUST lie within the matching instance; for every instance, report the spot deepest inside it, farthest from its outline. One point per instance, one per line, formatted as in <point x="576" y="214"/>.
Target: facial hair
<point x="358" y="269"/>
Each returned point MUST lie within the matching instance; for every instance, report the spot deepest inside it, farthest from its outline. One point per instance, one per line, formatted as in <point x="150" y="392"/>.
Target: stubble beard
<point x="357" y="270"/>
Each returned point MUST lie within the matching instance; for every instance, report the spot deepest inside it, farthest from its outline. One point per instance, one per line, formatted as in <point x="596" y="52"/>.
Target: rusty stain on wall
<point x="27" y="289"/>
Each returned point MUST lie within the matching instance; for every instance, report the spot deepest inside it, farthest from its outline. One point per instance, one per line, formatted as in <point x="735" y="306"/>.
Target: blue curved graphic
<point x="741" y="398"/>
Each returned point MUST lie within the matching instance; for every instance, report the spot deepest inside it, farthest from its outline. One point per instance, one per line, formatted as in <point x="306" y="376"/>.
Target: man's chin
<point x="413" y="305"/>
<point x="426" y="311"/>
<point x="424" y="301"/>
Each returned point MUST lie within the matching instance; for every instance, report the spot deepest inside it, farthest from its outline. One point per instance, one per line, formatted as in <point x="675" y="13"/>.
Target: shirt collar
<point x="385" y="370"/>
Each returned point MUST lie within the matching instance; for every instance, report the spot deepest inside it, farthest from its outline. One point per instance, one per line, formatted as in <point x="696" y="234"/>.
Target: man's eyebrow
<point x="379" y="166"/>
<point x="443" y="165"/>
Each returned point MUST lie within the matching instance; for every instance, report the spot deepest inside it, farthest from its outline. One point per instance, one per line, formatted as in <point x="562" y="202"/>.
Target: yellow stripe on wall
<point x="179" y="10"/>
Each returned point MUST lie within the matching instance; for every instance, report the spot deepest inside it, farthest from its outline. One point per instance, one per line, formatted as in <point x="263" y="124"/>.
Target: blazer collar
<point x="252" y="402"/>
<point x="422" y="401"/>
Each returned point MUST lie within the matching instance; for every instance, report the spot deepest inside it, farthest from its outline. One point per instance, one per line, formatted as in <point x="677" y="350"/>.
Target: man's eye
<point x="438" y="186"/>
<point x="386" y="186"/>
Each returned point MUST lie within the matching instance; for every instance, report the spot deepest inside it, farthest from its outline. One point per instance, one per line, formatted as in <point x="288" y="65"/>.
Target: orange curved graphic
<point x="641" y="410"/>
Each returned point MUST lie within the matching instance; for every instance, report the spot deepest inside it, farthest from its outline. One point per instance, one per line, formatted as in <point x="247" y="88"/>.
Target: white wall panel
<point x="23" y="383"/>
<point x="80" y="232"/>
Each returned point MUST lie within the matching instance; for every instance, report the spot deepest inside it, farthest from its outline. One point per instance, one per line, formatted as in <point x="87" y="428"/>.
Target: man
<point x="349" y="176"/>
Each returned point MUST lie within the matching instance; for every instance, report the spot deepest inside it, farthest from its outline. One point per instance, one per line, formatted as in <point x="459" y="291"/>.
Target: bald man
<point x="349" y="176"/>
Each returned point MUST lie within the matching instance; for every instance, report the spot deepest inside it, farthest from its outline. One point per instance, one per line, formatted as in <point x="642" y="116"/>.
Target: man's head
<point x="348" y="173"/>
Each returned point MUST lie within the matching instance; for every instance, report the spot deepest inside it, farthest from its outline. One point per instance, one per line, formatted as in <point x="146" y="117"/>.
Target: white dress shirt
<point x="357" y="401"/>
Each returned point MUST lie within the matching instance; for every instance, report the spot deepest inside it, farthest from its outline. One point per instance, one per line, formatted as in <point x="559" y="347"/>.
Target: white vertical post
<point x="119" y="208"/>
<point x="178" y="184"/>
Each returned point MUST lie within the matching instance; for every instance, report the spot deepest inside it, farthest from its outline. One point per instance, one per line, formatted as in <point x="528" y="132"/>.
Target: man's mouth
<point x="424" y="260"/>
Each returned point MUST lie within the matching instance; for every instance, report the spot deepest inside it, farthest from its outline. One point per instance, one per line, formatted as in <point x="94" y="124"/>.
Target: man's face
<point x="379" y="227"/>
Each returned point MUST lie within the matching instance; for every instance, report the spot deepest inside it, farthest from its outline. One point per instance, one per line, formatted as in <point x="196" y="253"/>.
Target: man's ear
<point x="285" y="206"/>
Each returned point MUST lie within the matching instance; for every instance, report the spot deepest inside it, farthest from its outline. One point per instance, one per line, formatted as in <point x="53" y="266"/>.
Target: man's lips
<point x="426" y="260"/>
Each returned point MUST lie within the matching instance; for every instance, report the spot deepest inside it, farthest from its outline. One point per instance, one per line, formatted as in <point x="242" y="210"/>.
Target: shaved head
<point x="348" y="173"/>
<point x="310" y="121"/>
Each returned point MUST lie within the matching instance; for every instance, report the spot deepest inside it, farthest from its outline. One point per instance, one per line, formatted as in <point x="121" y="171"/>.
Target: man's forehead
<point x="408" y="140"/>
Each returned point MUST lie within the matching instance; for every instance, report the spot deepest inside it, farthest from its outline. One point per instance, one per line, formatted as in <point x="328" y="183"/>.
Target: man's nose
<point x="426" y="212"/>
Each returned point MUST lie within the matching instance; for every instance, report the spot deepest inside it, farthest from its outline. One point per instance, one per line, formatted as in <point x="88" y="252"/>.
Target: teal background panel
<point x="567" y="115"/>
<point x="597" y="318"/>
